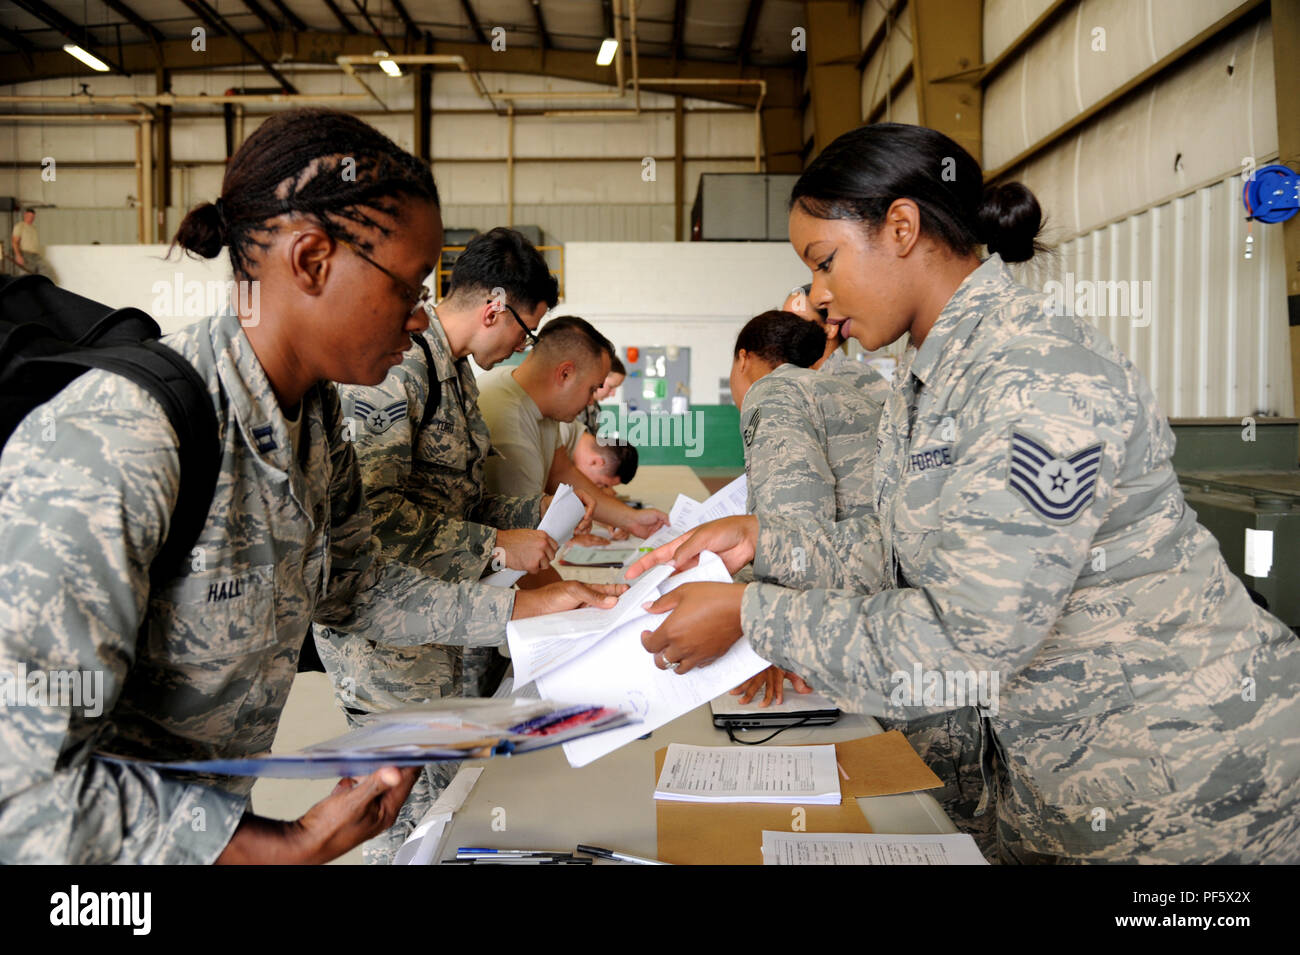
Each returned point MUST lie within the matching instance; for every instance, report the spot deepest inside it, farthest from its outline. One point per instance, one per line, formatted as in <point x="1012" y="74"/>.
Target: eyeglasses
<point x="532" y="336"/>
<point x="421" y="299"/>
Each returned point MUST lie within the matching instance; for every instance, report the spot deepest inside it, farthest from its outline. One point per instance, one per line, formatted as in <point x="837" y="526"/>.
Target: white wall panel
<point x="1004" y="20"/>
<point x="890" y="60"/>
<point x="1213" y="341"/>
<point x="638" y="293"/>
<point x="1060" y="74"/>
<point x="1153" y="146"/>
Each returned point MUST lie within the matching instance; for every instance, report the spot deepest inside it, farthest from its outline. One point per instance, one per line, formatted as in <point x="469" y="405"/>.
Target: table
<point x="544" y="803"/>
<point x="539" y="801"/>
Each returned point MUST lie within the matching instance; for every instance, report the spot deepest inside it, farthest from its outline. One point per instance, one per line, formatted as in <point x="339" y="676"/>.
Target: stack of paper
<point x="448" y="729"/>
<point x="688" y="513"/>
<point x="600" y="652"/>
<point x="607" y="555"/>
<point x="804" y="775"/>
<point x="859" y="848"/>
<point x="730" y="501"/>
<point x="561" y="518"/>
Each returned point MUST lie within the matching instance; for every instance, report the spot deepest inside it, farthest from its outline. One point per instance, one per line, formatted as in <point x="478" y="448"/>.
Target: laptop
<point x="797" y="709"/>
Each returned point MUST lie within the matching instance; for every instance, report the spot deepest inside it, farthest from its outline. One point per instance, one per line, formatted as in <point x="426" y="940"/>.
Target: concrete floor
<point x="310" y="716"/>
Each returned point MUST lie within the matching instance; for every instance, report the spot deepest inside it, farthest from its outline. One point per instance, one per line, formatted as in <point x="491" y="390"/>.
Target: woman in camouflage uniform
<point x="1137" y="706"/>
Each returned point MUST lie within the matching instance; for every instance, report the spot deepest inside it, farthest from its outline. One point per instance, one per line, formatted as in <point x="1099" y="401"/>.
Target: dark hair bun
<point x="201" y="231"/>
<point x="1009" y="222"/>
<point x="779" y="337"/>
<point x="807" y="343"/>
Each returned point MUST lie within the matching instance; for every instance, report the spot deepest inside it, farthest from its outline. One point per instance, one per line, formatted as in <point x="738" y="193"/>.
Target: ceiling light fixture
<point x="92" y="61"/>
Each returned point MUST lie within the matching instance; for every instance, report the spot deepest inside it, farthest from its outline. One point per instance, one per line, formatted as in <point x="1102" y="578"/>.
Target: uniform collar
<point x="784" y="370"/>
<point x="440" y="347"/>
<point x="959" y="318"/>
<point x="254" y="404"/>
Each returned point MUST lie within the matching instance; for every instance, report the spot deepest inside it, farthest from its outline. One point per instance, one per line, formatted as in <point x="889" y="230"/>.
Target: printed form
<point x="807" y="775"/>
<point x="868" y="848"/>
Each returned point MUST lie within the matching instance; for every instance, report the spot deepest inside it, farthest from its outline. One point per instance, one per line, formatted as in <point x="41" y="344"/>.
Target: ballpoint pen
<point x="617" y="856"/>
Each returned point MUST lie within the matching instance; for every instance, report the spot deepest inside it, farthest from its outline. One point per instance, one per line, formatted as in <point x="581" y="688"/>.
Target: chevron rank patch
<point x="379" y="420"/>
<point x="1057" y="488"/>
<point x="748" y="433"/>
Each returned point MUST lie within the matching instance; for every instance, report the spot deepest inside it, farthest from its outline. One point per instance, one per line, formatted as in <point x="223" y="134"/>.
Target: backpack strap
<point x="172" y="381"/>
<point x="435" y="385"/>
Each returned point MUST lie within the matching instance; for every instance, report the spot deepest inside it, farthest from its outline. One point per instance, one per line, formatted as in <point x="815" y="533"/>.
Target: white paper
<point x="682" y="513"/>
<point x="730" y="501"/>
<point x="688" y="514"/>
<point x="421" y="845"/>
<point x="805" y="775"/>
<point x="617" y="670"/>
<point x="868" y="848"/>
<point x="1259" y="552"/>
<point x="540" y="644"/>
<point x="669" y="532"/>
<point x="561" y="518"/>
<point x="581" y="556"/>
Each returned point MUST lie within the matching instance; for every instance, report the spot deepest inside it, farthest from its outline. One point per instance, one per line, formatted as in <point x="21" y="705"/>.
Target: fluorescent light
<point x="92" y="61"/>
<point x="607" y="50"/>
<point x="386" y="64"/>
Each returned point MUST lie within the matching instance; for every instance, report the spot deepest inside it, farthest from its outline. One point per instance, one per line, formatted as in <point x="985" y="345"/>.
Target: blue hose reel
<point x="1272" y="194"/>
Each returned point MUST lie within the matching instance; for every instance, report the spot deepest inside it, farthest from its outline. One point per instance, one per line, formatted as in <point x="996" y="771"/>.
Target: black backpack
<point x="49" y="336"/>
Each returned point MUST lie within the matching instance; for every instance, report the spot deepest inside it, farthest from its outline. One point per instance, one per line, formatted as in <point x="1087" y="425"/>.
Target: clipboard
<point x="732" y="833"/>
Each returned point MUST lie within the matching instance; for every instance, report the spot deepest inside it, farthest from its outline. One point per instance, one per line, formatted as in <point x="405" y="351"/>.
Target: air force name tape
<point x="1058" y="489"/>
<point x="379" y="420"/>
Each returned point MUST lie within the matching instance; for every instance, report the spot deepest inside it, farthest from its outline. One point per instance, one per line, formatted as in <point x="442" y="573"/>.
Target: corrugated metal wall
<point x="1145" y="193"/>
<point x="1212" y="340"/>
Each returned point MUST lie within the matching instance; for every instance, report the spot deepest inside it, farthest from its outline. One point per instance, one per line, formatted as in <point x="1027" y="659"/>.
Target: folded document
<point x="415" y="735"/>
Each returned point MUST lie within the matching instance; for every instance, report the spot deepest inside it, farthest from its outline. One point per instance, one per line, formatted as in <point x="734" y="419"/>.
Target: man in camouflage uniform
<point x="1145" y="709"/>
<point x="424" y="485"/>
<point x="87" y="484"/>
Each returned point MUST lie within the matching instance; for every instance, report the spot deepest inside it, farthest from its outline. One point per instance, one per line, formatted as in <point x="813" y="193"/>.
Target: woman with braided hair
<point x="340" y="227"/>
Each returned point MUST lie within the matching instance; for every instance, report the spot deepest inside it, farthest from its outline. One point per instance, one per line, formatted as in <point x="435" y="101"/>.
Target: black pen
<point x="617" y="856"/>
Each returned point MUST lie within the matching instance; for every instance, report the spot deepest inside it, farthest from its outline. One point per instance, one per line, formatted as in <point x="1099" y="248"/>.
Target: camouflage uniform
<point x="837" y="362"/>
<point x="1147" y="708"/>
<point x="425" y="490"/>
<point x="287" y="542"/>
<point x="810" y="451"/>
<point x="810" y="454"/>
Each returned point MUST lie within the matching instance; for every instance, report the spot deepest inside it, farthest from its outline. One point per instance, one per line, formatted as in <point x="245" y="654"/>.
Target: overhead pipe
<point x="620" y="84"/>
<point x="347" y="61"/>
<point x="172" y="99"/>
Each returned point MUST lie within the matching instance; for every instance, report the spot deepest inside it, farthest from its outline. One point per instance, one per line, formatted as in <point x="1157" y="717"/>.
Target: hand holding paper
<point x="732" y="538"/>
<point x="563" y="515"/>
<point x="703" y="624"/>
<point x="616" y="668"/>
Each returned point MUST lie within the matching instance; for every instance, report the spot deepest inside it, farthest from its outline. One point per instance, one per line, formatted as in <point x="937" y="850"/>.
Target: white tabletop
<point x="538" y="801"/>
